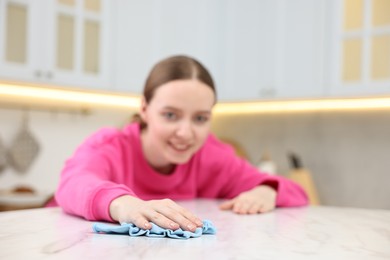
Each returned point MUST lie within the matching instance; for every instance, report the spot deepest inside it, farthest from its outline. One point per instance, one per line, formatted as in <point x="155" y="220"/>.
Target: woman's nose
<point x="185" y="130"/>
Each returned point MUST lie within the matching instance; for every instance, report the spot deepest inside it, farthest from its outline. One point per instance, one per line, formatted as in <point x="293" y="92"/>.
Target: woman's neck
<point x="151" y="158"/>
<point x="165" y="170"/>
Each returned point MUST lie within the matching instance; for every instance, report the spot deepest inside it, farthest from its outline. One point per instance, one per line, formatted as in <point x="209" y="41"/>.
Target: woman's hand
<point x="257" y="200"/>
<point x="164" y="213"/>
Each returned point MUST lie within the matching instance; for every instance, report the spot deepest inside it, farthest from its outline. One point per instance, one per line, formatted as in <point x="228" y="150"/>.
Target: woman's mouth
<point x="179" y="147"/>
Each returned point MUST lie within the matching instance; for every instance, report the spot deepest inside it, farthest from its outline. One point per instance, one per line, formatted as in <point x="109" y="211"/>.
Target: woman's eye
<point x="170" y="115"/>
<point x="201" y="119"/>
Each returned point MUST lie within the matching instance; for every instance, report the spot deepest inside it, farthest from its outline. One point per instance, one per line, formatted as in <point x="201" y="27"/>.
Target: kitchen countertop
<point x="286" y="233"/>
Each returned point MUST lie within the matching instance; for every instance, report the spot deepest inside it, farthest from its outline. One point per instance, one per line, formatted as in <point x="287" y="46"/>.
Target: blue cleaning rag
<point x="155" y="231"/>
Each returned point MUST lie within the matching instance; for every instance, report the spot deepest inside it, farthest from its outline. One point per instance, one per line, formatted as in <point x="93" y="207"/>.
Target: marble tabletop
<point x="286" y="233"/>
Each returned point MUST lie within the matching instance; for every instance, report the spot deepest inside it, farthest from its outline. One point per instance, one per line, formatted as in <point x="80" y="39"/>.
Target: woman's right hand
<point x="164" y="213"/>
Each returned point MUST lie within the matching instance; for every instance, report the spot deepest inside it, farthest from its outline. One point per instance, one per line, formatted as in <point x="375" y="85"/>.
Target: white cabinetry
<point x="254" y="49"/>
<point x="301" y="49"/>
<point x="250" y="50"/>
<point x="359" y="61"/>
<point x="57" y="42"/>
<point x="148" y="31"/>
<point x="275" y="49"/>
<point x="134" y="30"/>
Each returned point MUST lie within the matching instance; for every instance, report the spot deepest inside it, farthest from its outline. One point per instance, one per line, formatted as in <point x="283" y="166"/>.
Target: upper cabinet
<point x="254" y="49"/>
<point x="58" y="42"/>
<point x="359" y="62"/>
<point x="148" y="31"/>
<point x="274" y="49"/>
<point x="249" y="47"/>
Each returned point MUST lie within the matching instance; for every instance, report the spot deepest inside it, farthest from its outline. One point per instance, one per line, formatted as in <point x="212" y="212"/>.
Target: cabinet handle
<point x="38" y="73"/>
<point x="267" y="92"/>
<point x="49" y="75"/>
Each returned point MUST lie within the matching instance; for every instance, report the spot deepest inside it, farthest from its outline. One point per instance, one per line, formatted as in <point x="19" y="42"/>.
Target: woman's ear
<point x="142" y="112"/>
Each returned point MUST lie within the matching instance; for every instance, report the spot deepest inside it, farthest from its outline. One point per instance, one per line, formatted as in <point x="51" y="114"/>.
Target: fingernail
<point x="146" y="224"/>
<point x="190" y="227"/>
<point x="172" y="224"/>
<point x="199" y="223"/>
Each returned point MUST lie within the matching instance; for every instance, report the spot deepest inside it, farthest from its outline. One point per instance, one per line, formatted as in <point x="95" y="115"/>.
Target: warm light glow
<point x="12" y="93"/>
<point x="302" y="105"/>
<point x="64" y="96"/>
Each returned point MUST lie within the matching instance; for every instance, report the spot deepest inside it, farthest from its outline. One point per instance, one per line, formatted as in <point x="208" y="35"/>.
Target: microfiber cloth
<point x="155" y="231"/>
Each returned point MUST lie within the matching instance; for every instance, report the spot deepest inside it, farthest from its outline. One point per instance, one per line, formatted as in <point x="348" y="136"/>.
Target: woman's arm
<point x="231" y="177"/>
<point x="93" y="177"/>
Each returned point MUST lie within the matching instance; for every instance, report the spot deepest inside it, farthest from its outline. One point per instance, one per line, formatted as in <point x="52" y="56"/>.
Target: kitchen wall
<point x="58" y="134"/>
<point x="346" y="152"/>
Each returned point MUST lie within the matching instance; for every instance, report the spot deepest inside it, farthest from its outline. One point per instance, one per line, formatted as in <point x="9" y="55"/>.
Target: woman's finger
<point x="161" y="220"/>
<point x="267" y="208"/>
<point x="141" y="222"/>
<point x="255" y="208"/>
<point x="185" y="218"/>
<point x="177" y="214"/>
<point x="226" y="205"/>
<point x="237" y="207"/>
<point x="249" y="207"/>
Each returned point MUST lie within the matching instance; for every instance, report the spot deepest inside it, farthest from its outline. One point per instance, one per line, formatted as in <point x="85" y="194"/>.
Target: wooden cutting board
<point x="303" y="177"/>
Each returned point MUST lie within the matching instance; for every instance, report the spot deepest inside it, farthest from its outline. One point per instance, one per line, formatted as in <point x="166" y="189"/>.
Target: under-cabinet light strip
<point x="69" y="96"/>
<point x="72" y="97"/>
<point x="304" y="105"/>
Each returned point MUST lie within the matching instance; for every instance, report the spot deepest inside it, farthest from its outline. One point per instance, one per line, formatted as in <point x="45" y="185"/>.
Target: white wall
<point x="346" y="152"/>
<point x="58" y="133"/>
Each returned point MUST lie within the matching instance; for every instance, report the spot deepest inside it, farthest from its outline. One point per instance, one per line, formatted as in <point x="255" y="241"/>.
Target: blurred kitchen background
<point x="264" y="53"/>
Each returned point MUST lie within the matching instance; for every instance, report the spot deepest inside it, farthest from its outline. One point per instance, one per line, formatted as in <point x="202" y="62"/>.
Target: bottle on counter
<point x="303" y="176"/>
<point x="266" y="164"/>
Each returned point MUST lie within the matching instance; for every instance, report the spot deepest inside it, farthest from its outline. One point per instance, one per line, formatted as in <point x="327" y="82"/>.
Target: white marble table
<point x="295" y="233"/>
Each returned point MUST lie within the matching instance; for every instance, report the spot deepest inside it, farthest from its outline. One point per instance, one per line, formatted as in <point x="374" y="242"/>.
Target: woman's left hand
<point x="257" y="200"/>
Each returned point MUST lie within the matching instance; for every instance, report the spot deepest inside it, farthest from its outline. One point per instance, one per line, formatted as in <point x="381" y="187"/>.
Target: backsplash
<point x="346" y="152"/>
<point x="58" y="135"/>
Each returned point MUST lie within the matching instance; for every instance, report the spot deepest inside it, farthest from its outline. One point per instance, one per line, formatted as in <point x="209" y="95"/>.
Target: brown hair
<point x="174" y="68"/>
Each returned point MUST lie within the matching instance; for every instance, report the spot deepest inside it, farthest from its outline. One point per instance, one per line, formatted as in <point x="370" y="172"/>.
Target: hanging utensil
<point x="24" y="148"/>
<point x="3" y="157"/>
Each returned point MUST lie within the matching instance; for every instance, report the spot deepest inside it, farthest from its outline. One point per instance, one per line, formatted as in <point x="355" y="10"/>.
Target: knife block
<point x="303" y="177"/>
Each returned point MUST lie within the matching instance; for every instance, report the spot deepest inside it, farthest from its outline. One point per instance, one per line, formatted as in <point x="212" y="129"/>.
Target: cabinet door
<point x="360" y="54"/>
<point x="77" y="42"/>
<point x="250" y="50"/>
<point x="58" y="42"/>
<point x="134" y="31"/>
<point x="300" y="48"/>
<point x="161" y="28"/>
<point x="17" y="39"/>
<point x="194" y="28"/>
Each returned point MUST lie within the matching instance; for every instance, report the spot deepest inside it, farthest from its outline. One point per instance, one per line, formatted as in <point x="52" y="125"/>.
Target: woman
<point x="134" y="174"/>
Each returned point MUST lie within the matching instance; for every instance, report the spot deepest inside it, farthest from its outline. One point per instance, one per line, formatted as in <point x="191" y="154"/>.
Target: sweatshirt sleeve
<point x="91" y="179"/>
<point x="233" y="175"/>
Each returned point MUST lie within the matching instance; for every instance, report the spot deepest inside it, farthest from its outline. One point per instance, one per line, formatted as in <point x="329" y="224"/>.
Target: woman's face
<point x="178" y="122"/>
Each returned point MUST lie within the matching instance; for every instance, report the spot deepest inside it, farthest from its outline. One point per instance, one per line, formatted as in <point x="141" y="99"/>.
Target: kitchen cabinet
<point x="148" y="31"/>
<point x="254" y="49"/>
<point x="275" y="50"/>
<point x="56" y="42"/>
<point x="250" y="50"/>
<point x="301" y="48"/>
<point x="359" y="60"/>
<point x="133" y="25"/>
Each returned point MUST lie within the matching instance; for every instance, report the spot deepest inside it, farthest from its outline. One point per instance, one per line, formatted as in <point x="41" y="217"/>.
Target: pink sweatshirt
<point x="111" y="163"/>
